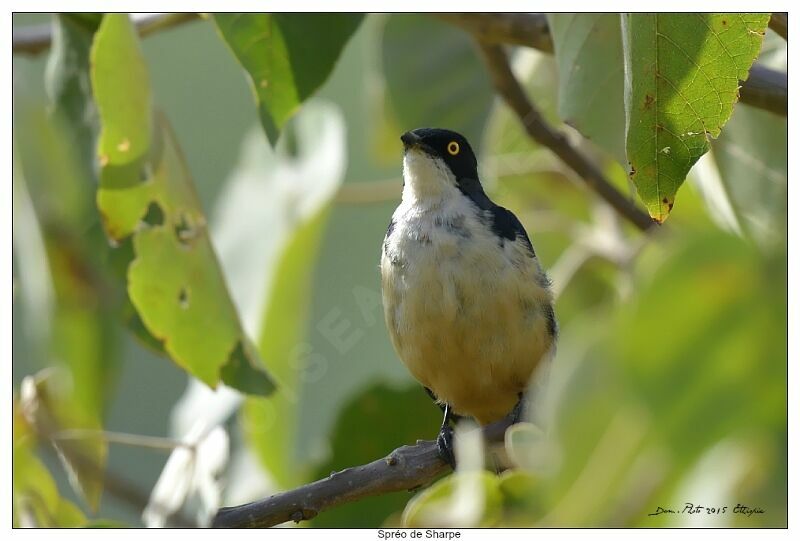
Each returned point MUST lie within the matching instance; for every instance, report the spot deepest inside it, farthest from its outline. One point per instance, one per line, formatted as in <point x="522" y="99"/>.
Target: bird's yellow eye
<point x="453" y="148"/>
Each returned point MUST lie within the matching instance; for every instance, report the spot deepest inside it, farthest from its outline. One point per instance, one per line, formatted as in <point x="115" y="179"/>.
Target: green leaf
<point x="286" y="56"/>
<point x="434" y="76"/>
<point x="36" y="500"/>
<point x="121" y="86"/>
<point x="176" y="284"/>
<point x="174" y="280"/>
<point x="682" y="79"/>
<point x="588" y="51"/>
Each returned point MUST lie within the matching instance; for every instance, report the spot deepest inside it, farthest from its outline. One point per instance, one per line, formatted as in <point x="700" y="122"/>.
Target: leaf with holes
<point x="588" y="51"/>
<point x="121" y="87"/>
<point x="177" y="287"/>
<point x="146" y="194"/>
<point x="287" y="56"/>
<point x="682" y="79"/>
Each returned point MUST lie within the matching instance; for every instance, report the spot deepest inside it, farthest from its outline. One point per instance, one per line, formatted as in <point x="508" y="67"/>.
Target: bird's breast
<point x="465" y="309"/>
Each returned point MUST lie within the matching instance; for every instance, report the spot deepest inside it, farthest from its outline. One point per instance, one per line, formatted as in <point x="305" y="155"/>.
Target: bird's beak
<point x="411" y="141"/>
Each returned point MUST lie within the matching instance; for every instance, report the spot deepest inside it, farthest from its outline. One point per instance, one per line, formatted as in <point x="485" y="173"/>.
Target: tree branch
<point x="37" y="39"/>
<point x="766" y="89"/>
<point x="406" y="468"/>
<point x="527" y="29"/>
<point x="779" y="22"/>
<point x="537" y="128"/>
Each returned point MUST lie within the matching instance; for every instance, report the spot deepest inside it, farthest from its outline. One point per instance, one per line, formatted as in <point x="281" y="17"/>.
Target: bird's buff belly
<point x="475" y="349"/>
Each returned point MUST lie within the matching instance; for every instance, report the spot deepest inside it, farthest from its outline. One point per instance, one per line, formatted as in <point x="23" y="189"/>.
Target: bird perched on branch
<point x="468" y="308"/>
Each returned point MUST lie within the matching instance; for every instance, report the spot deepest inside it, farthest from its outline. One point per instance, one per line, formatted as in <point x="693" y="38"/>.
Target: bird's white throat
<point x="426" y="178"/>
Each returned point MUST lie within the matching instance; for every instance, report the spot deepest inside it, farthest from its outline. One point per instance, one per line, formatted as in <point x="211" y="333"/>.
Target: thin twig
<point x="528" y="29"/>
<point x="406" y="468"/>
<point x="766" y="89"/>
<point x="114" y="484"/>
<point x="507" y="86"/>
<point x="121" y="438"/>
<point x="37" y="38"/>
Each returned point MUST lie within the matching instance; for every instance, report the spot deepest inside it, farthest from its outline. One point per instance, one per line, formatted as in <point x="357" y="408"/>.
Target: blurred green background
<point x="670" y="381"/>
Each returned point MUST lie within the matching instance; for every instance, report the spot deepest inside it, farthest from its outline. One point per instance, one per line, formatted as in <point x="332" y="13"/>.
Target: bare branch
<point x="537" y="128"/>
<point x="36" y="39"/>
<point x="406" y="468"/>
<point x="765" y="89"/>
<point x="31" y="39"/>
<point x="779" y="22"/>
<point x="527" y="29"/>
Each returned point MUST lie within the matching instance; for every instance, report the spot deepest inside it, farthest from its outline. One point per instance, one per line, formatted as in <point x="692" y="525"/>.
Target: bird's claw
<point x="444" y="443"/>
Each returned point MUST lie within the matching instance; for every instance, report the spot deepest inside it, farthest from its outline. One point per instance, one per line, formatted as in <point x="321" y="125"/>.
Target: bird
<point x="468" y="307"/>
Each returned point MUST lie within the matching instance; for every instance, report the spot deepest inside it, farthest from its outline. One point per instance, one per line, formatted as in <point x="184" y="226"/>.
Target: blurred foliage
<point x="678" y="396"/>
<point x="588" y="50"/>
<point x="48" y="412"/>
<point x="306" y="176"/>
<point x="37" y="501"/>
<point x="67" y="78"/>
<point x="753" y="163"/>
<point x="434" y="76"/>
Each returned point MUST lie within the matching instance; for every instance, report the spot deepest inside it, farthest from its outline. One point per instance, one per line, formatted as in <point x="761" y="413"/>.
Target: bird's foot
<point x="444" y="443"/>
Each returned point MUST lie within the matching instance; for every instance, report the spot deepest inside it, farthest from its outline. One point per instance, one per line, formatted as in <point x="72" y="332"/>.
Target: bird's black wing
<point x="503" y="222"/>
<point x="506" y="225"/>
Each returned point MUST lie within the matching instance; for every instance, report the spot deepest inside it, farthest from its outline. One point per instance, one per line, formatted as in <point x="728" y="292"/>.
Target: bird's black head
<point x="451" y="147"/>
